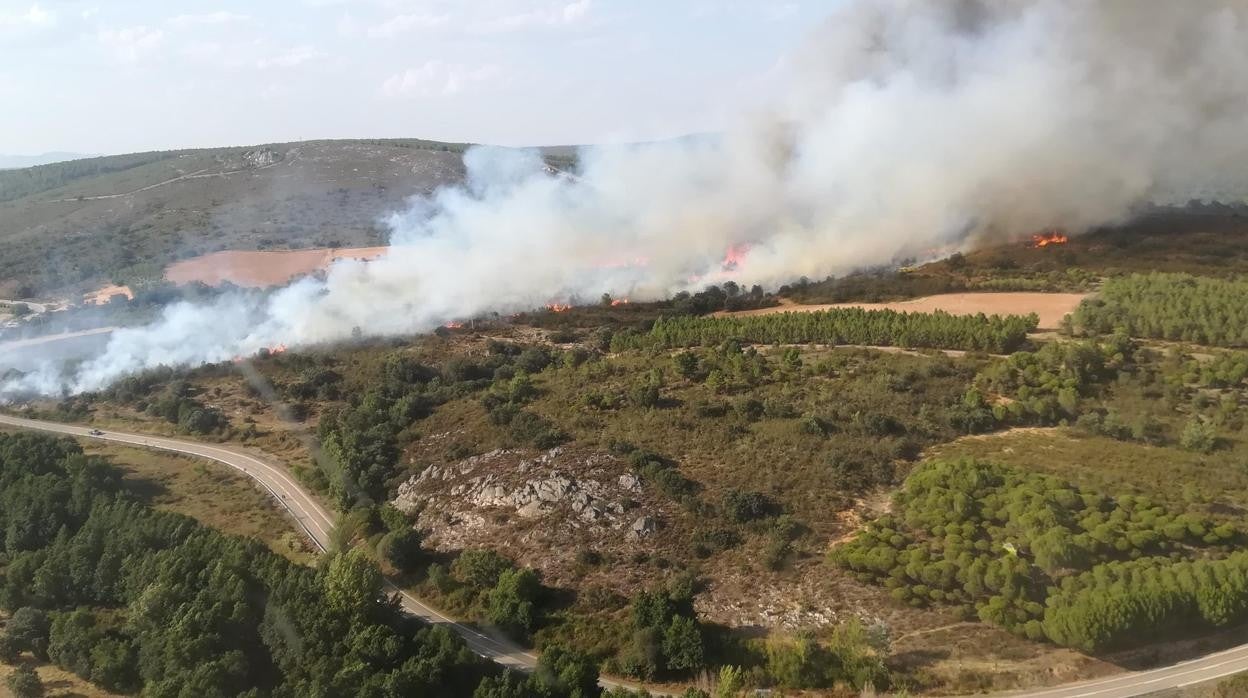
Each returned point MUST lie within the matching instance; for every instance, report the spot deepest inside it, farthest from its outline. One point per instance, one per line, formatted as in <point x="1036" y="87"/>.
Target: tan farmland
<point x="1051" y="307"/>
<point x="260" y="269"/>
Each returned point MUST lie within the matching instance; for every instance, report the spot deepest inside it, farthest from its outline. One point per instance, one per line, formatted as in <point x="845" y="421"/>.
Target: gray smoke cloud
<point x="908" y="126"/>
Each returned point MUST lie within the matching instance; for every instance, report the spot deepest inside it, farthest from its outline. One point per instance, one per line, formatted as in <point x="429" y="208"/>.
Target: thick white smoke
<point x="910" y="125"/>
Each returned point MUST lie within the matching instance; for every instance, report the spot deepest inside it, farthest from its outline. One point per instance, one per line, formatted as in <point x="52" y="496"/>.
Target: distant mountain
<point x="11" y="162"/>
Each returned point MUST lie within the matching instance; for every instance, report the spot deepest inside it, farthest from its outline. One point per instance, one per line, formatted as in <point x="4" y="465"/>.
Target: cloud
<point x="437" y="79"/>
<point x="208" y="18"/>
<point x="129" y="44"/>
<point x="34" y="16"/>
<point x="401" y="24"/>
<point x="562" y="15"/>
<point x="292" y="58"/>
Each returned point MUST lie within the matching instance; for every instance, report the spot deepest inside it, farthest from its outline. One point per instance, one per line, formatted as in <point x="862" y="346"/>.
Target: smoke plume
<point x="907" y="126"/>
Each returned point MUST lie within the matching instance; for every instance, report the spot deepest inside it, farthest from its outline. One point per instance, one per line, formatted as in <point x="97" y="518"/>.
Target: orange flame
<point x="267" y="351"/>
<point x="735" y="256"/>
<point x="619" y="301"/>
<point x="557" y="307"/>
<point x="1050" y="238"/>
<point x="453" y="325"/>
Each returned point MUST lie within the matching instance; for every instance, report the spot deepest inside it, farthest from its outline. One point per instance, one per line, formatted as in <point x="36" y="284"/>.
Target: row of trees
<point x="995" y="539"/>
<point x="1179" y="307"/>
<point x="1117" y="604"/>
<point x="938" y="330"/>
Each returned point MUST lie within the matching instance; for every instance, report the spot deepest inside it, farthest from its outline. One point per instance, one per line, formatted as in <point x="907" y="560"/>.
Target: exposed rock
<point x="262" y="157"/>
<point x="540" y="509"/>
<point x="546" y="491"/>
<point x="643" y="527"/>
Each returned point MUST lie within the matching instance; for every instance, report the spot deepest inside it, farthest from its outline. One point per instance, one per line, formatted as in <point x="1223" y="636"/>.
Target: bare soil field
<point x="1051" y="307"/>
<point x="106" y="293"/>
<point x="262" y="268"/>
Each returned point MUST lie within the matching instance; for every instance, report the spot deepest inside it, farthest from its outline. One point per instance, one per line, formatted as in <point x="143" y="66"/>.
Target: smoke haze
<point x="908" y="126"/>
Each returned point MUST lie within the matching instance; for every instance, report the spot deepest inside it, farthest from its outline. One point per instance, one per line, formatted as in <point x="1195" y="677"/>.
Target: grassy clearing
<point x="1215" y="484"/>
<point x="211" y="493"/>
<point x="57" y="683"/>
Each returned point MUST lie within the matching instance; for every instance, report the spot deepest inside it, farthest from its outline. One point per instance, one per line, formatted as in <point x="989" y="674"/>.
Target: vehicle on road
<point x="96" y="432"/>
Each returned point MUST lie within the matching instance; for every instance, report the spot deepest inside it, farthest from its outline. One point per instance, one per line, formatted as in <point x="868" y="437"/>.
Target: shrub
<point x="23" y="682"/>
<point x="480" y="568"/>
<point x="1198" y="435"/>
<point x="743" y="507"/>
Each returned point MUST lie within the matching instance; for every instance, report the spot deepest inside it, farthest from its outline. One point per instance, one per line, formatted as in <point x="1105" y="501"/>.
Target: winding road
<point x="318" y="523"/>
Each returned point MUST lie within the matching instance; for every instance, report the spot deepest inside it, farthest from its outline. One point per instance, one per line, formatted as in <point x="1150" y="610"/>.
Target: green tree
<point x="683" y="645"/>
<point x="480" y="568"/>
<point x="801" y="663"/>
<point x="564" y="672"/>
<point x="352" y="584"/>
<point x="686" y="364"/>
<point x="401" y="549"/>
<point x="28" y="629"/>
<point x="511" y="601"/>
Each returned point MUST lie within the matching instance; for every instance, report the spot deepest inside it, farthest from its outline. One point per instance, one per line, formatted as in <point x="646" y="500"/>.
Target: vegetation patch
<point x="937" y="330"/>
<point x="1178" y="307"/>
<point x="1003" y="543"/>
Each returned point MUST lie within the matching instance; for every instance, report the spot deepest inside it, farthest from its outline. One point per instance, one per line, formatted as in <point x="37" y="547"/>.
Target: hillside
<point x="74" y="225"/>
<point x="9" y="162"/>
<point x="905" y="485"/>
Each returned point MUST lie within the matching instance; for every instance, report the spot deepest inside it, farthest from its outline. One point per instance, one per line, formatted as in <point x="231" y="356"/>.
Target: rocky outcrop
<point x="571" y="488"/>
<point x="643" y="527"/>
<point x="261" y="157"/>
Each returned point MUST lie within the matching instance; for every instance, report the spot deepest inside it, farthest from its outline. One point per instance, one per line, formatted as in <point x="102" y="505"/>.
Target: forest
<point x="138" y="600"/>
<point x="938" y="330"/>
<point x="1048" y="560"/>
<point x="1177" y="307"/>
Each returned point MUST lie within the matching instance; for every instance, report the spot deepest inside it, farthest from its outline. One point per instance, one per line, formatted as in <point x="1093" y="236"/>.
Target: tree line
<point x="938" y="330"/>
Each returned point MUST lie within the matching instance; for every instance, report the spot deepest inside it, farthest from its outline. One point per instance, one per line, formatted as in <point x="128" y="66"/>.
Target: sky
<point x="119" y="76"/>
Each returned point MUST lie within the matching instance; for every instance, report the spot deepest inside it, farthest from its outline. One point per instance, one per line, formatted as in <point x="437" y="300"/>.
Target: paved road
<point x="35" y="308"/>
<point x="317" y="522"/>
<point x="312" y="517"/>
<point x="45" y="338"/>
<point x="1141" y="683"/>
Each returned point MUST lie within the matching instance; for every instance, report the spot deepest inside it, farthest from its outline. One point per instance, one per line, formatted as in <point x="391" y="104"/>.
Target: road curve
<point x="314" y="519"/>
<point x="1210" y="667"/>
<point x="318" y="523"/>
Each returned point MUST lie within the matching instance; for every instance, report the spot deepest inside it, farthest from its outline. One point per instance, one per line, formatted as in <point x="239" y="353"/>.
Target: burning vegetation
<point x="1046" y="239"/>
<point x="263" y="352"/>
